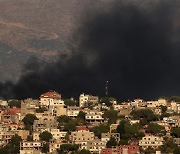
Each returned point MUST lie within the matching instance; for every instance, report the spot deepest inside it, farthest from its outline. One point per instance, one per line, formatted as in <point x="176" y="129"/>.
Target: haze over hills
<point x="38" y="28"/>
<point x="82" y="43"/>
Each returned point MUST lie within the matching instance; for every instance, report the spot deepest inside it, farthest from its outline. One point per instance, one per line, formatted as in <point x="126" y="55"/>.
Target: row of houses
<point x="53" y="106"/>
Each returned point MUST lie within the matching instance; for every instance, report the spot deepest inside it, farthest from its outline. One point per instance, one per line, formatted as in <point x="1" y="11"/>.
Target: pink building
<point x="123" y="149"/>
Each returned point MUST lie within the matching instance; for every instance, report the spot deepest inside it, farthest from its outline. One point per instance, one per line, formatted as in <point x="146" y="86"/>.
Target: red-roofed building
<point x="51" y="94"/>
<point x="123" y="149"/>
<point x="51" y="98"/>
<point x="12" y="111"/>
<point x="82" y="128"/>
<point x="11" y="115"/>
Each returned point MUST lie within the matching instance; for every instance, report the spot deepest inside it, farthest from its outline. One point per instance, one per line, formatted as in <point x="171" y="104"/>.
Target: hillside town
<point x="90" y="125"/>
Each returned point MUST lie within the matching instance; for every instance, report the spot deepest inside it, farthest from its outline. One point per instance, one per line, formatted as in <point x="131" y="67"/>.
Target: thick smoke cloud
<point x="133" y="46"/>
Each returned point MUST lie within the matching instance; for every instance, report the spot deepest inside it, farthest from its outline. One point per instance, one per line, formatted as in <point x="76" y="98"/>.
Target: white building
<point x="54" y="145"/>
<point x="31" y="147"/>
<point x="51" y="99"/>
<point x="94" y="146"/>
<point x="84" y="100"/>
<point x="73" y="111"/>
<point x="36" y="135"/>
<point x="106" y="136"/>
<point x="174" y="107"/>
<point x="3" y="103"/>
<point x="151" y="141"/>
<point x="57" y="134"/>
<point x="174" y="121"/>
<point x="159" y="102"/>
<point x="136" y="102"/>
<point x="94" y="116"/>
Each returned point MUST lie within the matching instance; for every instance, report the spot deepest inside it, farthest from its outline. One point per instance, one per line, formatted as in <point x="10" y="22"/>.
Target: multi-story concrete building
<point x="94" y="146"/>
<point x="31" y="147"/>
<point x="45" y="124"/>
<point x="173" y="107"/>
<point x="106" y="136"/>
<point x="6" y="136"/>
<point x="174" y="121"/>
<point x="54" y="145"/>
<point x="3" y="103"/>
<point x="94" y="116"/>
<point x="51" y="99"/>
<point x="22" y="133"/>
<point x="29" y="106"/>
<point x="159" y="102"/>
<point x="73" y="111"/>
<point x="82" y="134"/>
<point x="11" y="115"/>
<point x="35" y="135"/>
<point x="151" y="141"/>
<point x="84" y="100"/>
<point x="57" y="134"/>
<point x="113" y="127"/>
<point x="58" y="111"/>
<point x="123" y="149"/>
<point x="3" y="127"/>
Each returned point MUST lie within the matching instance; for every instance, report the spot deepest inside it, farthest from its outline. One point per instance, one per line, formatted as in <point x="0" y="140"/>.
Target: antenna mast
<point x="106" y="88"/>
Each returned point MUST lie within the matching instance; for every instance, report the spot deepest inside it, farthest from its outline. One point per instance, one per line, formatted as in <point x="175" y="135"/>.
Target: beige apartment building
<point x="151" y="141"/>
<point x="31" y="147"/>
<point x="106" y="136"/>
<point x="84" y="100"/>
<point x="82" y="134"/>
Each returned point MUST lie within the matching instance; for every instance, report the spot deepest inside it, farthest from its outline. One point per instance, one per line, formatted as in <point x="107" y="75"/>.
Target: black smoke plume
<point x="132" y="44"/>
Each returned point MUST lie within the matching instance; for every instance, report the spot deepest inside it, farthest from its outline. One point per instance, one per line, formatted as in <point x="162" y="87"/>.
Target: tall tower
<point x="106" y="88"/>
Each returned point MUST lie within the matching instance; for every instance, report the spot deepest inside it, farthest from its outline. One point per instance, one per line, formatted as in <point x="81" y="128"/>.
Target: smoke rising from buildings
<point x="133" y="45"/>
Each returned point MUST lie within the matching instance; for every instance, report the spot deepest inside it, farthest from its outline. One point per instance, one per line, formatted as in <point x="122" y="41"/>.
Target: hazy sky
<point x="134" y="45"/>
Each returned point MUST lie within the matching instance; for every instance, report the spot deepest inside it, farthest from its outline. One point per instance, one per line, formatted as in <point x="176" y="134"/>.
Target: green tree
<point x="175" y="98"/>
<point x="29" y="138"/>
<point x="29" y="120"/>
<point x="121" y="127"/>
<point x="45" y="136"/>
<point x="144" y="115"/>
<point x="41" y="110"/>
<point x="103" y="128"/>
<point x="70" y="126"/>
<point x="84" y="151"/>
<point x="123" y="142"/>
<point x="106" y="101"/>
<point x="176" y="150"/>
<point x="69" y="102"/>
<point x="128" y="131"/>
<point x="81" y="118"/>
<point x="67" y="137"/>
<point x="163" y="108"/>
<point x="13" y="147"/>
<point x="169" y="146"/>
<point x="68" y="147"/>
<point x="111" y="115"/>
<point x="14" y="103"/>
<point x="112" y="142"/>
<point x="63" y="119"/>
<point x="155" y="129"/>
<point x="81" y="115"/>
<point x="175" y="132"/>
<point x="131" y="131"/>
<point x="45" y="148"/>
<point x="149" y="150"/>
